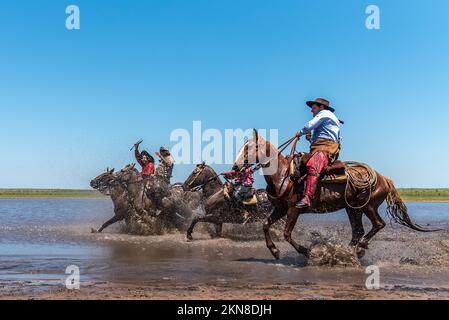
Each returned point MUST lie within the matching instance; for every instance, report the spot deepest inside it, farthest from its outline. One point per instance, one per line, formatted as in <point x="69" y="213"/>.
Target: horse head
<point x="129" y="174"/>
<point x="103" y="182"/>
<point x="257" y="150"/>
<point x="201" y="175"/>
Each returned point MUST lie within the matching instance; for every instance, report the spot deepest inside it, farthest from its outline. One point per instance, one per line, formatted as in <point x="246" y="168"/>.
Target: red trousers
<point x="315" y="167"/>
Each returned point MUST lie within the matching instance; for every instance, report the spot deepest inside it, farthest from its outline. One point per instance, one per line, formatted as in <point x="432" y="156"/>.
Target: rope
<point x="359" y="183"/>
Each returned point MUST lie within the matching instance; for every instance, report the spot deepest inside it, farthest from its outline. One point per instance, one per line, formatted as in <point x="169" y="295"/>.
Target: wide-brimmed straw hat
<point x="322" y="102"/>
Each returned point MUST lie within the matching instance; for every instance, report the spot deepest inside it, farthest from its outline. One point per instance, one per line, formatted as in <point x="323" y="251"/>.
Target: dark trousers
<point x="242" y="192"/>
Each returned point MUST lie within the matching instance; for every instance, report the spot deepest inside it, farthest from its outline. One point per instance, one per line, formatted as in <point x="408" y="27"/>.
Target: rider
<point x="145" y="160"/>
<point x="324" y="147"/>
<point x="166" y="164"/>
<point x="243" y="184"/>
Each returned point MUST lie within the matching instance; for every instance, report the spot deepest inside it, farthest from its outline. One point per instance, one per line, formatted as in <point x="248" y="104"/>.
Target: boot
<point x="306" y="201"/>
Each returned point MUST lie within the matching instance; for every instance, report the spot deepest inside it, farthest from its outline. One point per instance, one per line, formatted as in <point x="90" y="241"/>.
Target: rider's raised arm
<point x="314" y="123"/>
<point x="137" y="155"/>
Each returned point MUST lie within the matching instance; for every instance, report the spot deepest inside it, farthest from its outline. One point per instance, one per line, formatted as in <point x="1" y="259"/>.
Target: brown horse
<point x="330" y="197"/>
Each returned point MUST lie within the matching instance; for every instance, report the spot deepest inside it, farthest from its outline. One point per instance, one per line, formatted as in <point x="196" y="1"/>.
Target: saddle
<point x="334" y="173"/>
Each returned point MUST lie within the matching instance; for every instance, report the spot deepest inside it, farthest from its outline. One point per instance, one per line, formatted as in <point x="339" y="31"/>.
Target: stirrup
<point x="302" y="204"/>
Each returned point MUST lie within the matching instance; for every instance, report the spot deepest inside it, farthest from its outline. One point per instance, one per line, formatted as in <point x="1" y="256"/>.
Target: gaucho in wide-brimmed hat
<point x="320" y="102"/>
<point x="324" y="147"/>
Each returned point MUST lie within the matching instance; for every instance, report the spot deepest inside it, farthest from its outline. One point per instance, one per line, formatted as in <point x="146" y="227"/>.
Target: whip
<point x="137" y="143"/>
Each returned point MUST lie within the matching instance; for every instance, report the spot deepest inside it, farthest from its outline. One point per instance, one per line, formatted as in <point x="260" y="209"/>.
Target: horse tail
<point x="397" y="209"/>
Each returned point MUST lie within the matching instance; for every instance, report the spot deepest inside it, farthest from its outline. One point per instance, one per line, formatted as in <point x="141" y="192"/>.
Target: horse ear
<point x="133" y="165"/>
<point x="107" y="169"/>
<point x="255" y="135"/>
<point x="112" y="170"/>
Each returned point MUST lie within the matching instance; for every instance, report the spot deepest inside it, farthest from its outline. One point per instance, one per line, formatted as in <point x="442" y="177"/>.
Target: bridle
<point x="282" y="147"/>
<point x="106" y="186"/>
<point x="197" y="174"/>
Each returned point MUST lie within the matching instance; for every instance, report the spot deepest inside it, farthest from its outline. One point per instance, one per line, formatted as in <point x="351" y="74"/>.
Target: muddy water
<point x="40" y="238"/>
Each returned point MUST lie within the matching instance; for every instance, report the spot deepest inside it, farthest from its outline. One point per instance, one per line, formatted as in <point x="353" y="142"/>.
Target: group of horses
<point x="201" y="198"/>
<point x="144" y="203"/>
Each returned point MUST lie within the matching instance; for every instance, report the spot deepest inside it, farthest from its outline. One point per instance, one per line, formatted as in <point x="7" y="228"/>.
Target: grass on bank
<point x="417" y="194"/>
<point x="407" y="194"/>
<point x="48" y="193"/>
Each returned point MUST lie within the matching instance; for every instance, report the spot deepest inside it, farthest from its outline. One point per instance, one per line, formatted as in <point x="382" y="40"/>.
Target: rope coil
<point x="359" y="183"/>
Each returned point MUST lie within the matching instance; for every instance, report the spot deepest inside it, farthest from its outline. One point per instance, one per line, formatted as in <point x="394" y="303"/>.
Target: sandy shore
<point x="307" y="291"/>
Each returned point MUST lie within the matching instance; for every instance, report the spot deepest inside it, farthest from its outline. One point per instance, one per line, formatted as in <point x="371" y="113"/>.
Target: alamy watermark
<point x="373" y="280"/>
<point x="72" y="21"/>
<point x="72" y="282"/>
<point x="372" y="22"/>
<point x="215" y="146"/>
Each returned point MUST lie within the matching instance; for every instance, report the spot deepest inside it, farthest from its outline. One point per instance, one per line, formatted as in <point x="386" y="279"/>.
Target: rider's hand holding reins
<point x="309" y="136"/>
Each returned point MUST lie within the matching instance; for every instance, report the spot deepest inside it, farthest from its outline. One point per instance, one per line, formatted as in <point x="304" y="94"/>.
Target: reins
<point x="282" y="147"/>
<point x="201" y="186"/>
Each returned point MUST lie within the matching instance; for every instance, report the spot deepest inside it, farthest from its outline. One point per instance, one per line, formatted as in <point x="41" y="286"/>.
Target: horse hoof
<point x="276" y="253"/>
<point x="362" y="245"/>
<point x="360" y="253"/>
<point x="92" y="230"/>
<point x="189" y="238"/>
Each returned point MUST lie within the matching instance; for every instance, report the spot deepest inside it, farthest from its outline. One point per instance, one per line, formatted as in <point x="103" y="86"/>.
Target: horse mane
<point x="269" y="147"/>
<point x="275" y="149"/>
<point x="214" y="172"/>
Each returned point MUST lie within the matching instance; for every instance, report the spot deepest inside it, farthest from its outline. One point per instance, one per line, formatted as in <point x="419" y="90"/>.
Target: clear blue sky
<point x="73" y="102"/>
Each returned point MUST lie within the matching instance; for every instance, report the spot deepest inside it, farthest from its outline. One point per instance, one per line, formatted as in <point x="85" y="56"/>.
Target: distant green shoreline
<point x="49" y="194"/>
<point x="407" y="194"/>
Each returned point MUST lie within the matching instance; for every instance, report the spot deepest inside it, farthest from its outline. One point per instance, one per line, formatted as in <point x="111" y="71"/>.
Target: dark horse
<point x="218" y="209"/>
<point x="145" y="200"/>
<point x="153" y="196"/>
<point x="330" y="197"/>
<point x="108" y="184"/>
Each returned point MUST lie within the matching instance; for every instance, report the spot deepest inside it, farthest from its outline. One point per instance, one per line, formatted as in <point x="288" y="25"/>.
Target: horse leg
<point x="292" y="218"/>
<point x="207" y="218"/>
<point x="275" y="216"/>
<point x="218" y="229"/>
<point x="355" y="218"/>
<point x="114" y="219"/>
<point x="376" y="221"/>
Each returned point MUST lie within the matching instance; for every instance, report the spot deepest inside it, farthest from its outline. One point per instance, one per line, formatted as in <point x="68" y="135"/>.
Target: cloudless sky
<point x="74" y="102"/>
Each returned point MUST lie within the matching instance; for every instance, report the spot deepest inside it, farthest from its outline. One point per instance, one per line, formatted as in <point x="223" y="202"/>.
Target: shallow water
<point x="40" y="238"/>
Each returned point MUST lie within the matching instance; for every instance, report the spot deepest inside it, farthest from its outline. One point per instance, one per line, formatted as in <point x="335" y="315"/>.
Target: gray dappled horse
<point x="173" y="205"/>
<point x="144" y="199"/>
<point x="108" y="184"/>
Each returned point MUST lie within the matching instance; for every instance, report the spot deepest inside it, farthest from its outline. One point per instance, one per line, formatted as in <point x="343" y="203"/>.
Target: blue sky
<point x="73" y="102"/>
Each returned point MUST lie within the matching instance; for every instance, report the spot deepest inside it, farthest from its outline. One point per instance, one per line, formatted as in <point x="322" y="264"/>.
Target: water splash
<point x="325" y="252"/>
